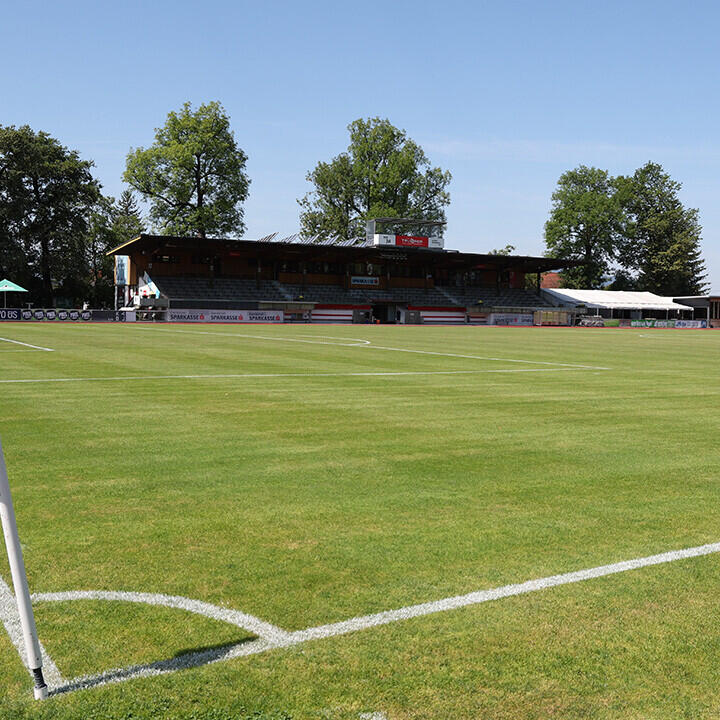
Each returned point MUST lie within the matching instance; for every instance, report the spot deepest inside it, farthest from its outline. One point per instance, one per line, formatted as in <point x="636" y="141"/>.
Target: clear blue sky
<point x="506" y="95"/>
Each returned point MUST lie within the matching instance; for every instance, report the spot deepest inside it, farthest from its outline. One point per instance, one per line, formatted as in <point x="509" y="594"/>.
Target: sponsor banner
<point x="512" y="319"/>
<point x="10" y="314"/>
<point x="364" y="280"/>
<point x="692" y="324"/>
<point x="226" y="316"/>
<point x="122" y="270"/>
<point x="15" y="314"/>
<point x="652" y="322"/>
<point x="686" y="324"/>
<point x="385" y="240"/>
<point x="411" y="241"/>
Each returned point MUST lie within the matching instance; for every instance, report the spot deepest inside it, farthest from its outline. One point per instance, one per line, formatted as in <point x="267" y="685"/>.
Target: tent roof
<point x="8" y="286"/>
<point x="616" y="299"/>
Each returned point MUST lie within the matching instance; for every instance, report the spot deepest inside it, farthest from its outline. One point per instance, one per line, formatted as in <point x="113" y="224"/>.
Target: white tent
<point x="613" y="299"/>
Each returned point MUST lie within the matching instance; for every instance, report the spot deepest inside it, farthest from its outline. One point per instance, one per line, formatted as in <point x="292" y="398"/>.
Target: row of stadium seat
<point x="249" y="290"/>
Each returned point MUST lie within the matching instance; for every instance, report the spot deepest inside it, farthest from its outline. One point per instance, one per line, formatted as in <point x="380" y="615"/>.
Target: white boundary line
<point x="353" y="342"/>
<point x="10" y="618"/>
<point x="28" y="345"/>
<point x="494" y="359"/>
<point x="278" y="638"/>
<point x="230" y="376"/>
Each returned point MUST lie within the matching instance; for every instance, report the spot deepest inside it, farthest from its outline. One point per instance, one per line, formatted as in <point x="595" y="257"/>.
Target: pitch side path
<point x="363" y="491"/>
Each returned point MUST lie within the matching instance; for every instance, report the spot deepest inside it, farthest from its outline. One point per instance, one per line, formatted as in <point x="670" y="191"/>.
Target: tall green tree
<point x="47" y="194"/>
<point x="127" y="220"/>
<point x="107" y="228"/>
<point x="193" y="175"/>
<point x="586" y="223"/>
<point x="661" y="246"/>
<point x="383" y="173"/>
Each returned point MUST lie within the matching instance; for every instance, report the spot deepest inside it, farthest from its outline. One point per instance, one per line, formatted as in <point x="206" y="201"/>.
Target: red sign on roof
<point x="411" y="241"/>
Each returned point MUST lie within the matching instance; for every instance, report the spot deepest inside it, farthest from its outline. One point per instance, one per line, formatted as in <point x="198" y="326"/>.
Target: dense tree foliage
<point x="47" y="195"/>
<point x="193" y="175"/>
<point x="383" y="173"/>
<point x="662" y="239"/>
<point x="629" y="232"/>
<point x="586" y="224"/>
<point x="111" y="223"/>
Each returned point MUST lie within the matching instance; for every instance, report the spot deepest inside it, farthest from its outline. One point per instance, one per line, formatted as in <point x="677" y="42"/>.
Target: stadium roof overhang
<point x="614" y="299"/>
<point x="439" y="259"/>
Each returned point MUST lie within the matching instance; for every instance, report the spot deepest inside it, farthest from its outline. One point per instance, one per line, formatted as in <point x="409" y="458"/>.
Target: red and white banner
<point x="440" y="315"/>
<point x="332" y="315"/>
<point x="417" y="241"/>
<point x="411" y="241"/>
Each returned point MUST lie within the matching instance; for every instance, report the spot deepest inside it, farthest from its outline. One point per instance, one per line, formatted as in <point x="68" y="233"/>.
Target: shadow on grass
<point x="182" y="660"/>
<point x="220" y="648"/>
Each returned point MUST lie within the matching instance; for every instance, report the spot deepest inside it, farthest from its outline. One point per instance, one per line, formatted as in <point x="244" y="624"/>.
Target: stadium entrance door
<point x="389" y="313"/>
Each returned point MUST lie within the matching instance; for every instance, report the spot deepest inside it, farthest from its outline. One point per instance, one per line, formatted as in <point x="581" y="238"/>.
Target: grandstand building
<point x="387" y="279"/>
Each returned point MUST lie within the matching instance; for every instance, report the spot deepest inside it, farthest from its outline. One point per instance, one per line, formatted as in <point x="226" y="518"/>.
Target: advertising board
<point x="683" y="324"/>
<point x="226" y="316"/>
<point x="416" y="241"/>
<point x="511" y="319"/>
<point x="691" y="324"/>
<point x="411" y="241"/>
<point x="54" y="315"/>
<point x="10" y="315"/>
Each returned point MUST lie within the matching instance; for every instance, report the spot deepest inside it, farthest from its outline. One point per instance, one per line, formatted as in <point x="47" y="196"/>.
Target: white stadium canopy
<point x="613" y="299"/>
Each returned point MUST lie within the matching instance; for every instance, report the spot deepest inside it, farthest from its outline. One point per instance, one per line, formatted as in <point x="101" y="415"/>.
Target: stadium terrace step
<point x="190" y="291"/>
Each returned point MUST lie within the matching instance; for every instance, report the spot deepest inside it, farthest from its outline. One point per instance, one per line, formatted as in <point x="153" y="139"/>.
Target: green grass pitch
<point x="303" y="486"/>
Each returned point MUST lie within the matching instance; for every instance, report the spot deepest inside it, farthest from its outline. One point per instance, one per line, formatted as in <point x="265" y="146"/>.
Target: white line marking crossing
<point x="28" y="345"/>
<point x="287" y="639"/>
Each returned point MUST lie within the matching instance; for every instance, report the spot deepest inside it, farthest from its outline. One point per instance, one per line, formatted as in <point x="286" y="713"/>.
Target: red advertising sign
<point x="411" y="241"/>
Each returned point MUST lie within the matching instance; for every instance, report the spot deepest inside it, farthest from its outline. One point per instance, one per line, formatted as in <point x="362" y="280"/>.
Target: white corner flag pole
<point x="19" y="579"/>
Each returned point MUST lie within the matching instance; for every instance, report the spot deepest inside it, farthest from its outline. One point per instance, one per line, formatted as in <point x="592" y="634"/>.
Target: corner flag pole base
<point x="20" y="583"/>
<point x="40" y="691"/>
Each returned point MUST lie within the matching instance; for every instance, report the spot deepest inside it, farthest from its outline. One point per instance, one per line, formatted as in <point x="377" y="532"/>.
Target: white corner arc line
<point x="10" y="618"/>
<point x="28" y="345"/>
<point x="286" y="639"/>
<point x="258" y="627"/>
